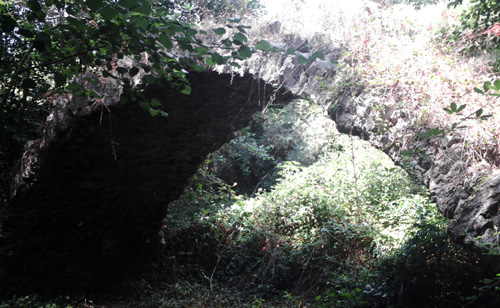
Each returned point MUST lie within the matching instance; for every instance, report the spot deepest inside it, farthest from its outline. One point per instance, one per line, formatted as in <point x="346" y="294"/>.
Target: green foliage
<point x="476" y="20"/>
<point x="306" y="233"/>
<point x="418" y="4"/>
<point x="34" y="301"/>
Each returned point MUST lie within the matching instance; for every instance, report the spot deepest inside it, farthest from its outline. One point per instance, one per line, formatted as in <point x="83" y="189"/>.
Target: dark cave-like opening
<point x="90" y="220"/>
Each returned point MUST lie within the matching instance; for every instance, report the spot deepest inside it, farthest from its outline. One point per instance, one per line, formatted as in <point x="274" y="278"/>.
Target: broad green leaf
<point x="150" y="79"/>
<point x="497" y="85"/>
<point x="462" y="107"/>
<point x="42" y="40"/>
<point x="197" y="68"/>
<point x="128" y="4"/>
<point x="7" y="23"/>
<point x="133" y="71"/>
<point x="318" y="55"/>
<point x="156" y="103"/>
<point x="122" y="70"/>
<point x="60" y="79"/>
<point x="238" y="37"/>
<point x="217" y="59"/>
<point x="142" y="21"/>
<point x="245" y="51"/>
<point x="201" y="50"/>
<point x="153" y="112"/>
<point x="186" y="90"/>
<point x="108" y="13"/>
<point x="235" y="64"/>
<point x="34" y="5"/>
<point x="242" y="29"/>
<point x="165" y="41"/>
<point x="26" y="33"/>
<point x="94" y="4"/>
<point x="479" y="90"/>
<point x="74" y="87"/>
<point x="479" y="112"/>
<point x="263" y="45"/>
<point x="453" y="107"/>
<point x="209" y="61"/>
<point x="219" y="31"/>
<point x="291" y="51"/>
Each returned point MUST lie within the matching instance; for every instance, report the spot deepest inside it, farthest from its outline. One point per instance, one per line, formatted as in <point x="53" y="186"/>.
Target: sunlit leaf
<point x="217" y="59"/>
<point x="263" y="45"/>
<point x="240" y="37"/>
<point x="219" y="31"/>
<point x="245" y="51"/>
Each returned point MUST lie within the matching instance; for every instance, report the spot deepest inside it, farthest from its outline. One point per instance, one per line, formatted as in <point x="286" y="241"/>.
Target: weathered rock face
<point x="90" y="219"/>
<point x="466" y="195"/>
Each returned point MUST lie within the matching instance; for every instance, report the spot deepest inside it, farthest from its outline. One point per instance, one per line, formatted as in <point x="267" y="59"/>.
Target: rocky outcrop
<point x="105" y="172"/>
<point x="466" y="195"/>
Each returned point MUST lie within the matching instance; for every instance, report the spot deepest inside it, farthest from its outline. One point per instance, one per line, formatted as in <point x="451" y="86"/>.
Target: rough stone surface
<point x="455" y="186"/>
<point x="90" y="218"/>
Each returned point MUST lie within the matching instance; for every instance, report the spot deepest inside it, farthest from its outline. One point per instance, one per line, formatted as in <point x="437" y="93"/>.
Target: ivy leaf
<point x="219" y="31"/>
<point x="263" y="45"/>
